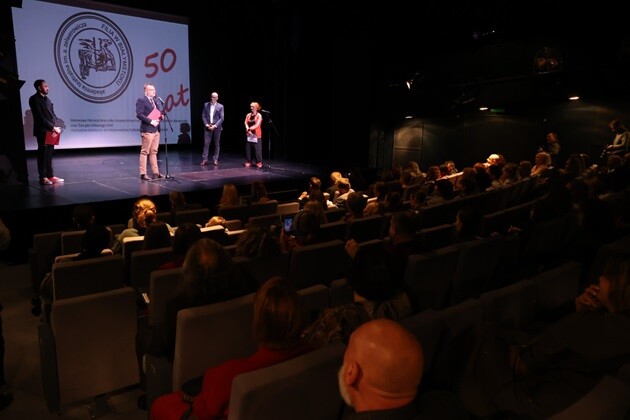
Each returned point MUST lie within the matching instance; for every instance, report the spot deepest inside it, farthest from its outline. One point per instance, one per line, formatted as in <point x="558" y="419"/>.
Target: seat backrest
<point x="239" y="211"/>
<point x="264" y="220"/>
<point x="335" y="214"/>
<point x="71" y="241"/>
<point x="46" y="246"/>
<point x="558" y="285"/>
<point x="144" y="262"/>
<point x="94" y="275"/>
<point x="333" y="230"/>
<point x="302" y="388"/>
<point x="365" y="228"/>
<point x="211" y="334"/>
<point x="610" y="399"/>
<point x="431" y="216"/>
<point x="427" y="328"/>
<point x="501" y="220"/>
<point x="198" y="216"/>
<point x="216" y="233"/>
<point x="263" y="208"/>
<point x="476" y="266"/>
<point x="161" y="287"/>
<point x="512" y="306"/>
<point x="437" y="237"/>
<point x="260" y="269"/>
<point x="95" y="339"/>
<point x="288" y="209"/>
<point x="319" y="263"/>
<point x="428" y="277"/>
<point x="340" y="292"/>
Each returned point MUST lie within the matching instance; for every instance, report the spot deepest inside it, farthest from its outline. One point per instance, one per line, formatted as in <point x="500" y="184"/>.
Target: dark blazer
<point x="144" y="108"/>
<point x="44" y="118"/>
<point x="218" y="115"/>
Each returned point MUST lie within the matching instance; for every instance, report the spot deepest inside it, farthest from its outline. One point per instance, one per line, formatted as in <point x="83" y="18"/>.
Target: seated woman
<point x="542" y="375"/>
<point x="375" y="296"/>
<point x="210" y="275"/>
<point x="144" y="213"/>
<point x="277" y="324"/>
<point x="185" y="237"/>
<point x="156" y="236"/>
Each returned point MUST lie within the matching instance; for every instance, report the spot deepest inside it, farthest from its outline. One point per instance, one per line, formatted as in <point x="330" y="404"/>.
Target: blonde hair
<point x="144" y="213"/>
<point x="255" y="105"/>
<point x="216" y="220"/>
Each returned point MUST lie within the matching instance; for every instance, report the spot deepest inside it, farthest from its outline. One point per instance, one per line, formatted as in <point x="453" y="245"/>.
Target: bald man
<point x="381" y="371"/>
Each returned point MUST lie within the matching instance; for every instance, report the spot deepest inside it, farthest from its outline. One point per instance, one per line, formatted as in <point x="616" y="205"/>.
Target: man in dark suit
<point x="150" y="115"/>
<point x="212" y="117"/>
<point x="44" y="121"/>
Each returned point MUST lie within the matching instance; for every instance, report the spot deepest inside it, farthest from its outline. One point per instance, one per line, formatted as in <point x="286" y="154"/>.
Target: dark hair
<point x="406" y="222"/>
<point x="258" y="241"/>
<point x="617" y="271"/>
<point x="95" y="239"/>
<point x="185" y="236"/>
<point x="37" y="83"/>
<point x="157" y="235"/>
<point x="370" y="277"/>
<point x="209" y="272"/>
<point x="278" y="318"/>
<point x="83" y="215"/>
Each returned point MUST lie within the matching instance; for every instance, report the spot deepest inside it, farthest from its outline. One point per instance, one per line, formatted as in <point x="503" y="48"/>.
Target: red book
<point x="52" y="138"/>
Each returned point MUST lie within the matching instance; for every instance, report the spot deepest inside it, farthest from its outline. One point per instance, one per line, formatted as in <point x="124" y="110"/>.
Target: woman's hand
<point x="588" y="301"/>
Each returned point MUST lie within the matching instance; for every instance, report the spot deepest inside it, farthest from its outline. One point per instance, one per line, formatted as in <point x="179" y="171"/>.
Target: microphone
<point x="265" y="111"/>
<point x="161" y="100"/>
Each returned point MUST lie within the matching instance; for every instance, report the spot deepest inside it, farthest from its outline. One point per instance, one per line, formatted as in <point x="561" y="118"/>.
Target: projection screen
<point x="96" y="60"/>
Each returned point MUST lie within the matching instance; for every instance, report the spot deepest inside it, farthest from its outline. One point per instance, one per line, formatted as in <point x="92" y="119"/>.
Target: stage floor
<point x="109" y="181"/>
<point x="100" y="176"/>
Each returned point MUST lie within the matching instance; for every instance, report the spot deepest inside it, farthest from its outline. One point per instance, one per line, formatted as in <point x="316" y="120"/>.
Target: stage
<point x="109" y="180"/>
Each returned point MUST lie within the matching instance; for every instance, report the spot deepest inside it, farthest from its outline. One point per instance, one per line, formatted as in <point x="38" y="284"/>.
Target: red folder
<point x="52" y="138"/>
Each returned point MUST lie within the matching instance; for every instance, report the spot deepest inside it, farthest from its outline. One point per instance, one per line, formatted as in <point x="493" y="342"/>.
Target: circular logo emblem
<point x="93" y="57"/>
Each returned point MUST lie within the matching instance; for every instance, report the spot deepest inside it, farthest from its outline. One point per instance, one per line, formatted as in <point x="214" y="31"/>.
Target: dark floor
<point x="109" y="180"/>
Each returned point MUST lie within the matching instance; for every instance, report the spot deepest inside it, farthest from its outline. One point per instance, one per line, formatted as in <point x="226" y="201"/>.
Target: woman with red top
<point x="277" y="325"/>
<point x="253" y="130"/>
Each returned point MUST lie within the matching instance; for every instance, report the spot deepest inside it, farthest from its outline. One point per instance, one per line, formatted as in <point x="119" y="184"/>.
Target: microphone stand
<point x="167" y="176"/>
<point x="271" y="125"/>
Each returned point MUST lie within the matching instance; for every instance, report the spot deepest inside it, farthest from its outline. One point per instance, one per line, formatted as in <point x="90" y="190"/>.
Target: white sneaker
<point x="56" y="180"/>
<point x="45" y="181"/>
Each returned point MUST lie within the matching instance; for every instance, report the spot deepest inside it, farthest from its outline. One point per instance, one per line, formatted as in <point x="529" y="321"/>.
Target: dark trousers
<point x="257" y="150"/>
<point x="208" y="138"/>
<point x="44" y="157"/>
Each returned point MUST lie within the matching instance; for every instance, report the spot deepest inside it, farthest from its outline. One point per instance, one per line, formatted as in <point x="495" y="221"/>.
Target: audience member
<point x="157" y="235"/>
<point x="83" y="216"/>
<point x="144" y="213"/>
<point x="230" y="196"/>
<point x="258" y="241"/>
<point x="381" y="372"/>
<point x="552" y="148"/>
<point x="277" y="324"/>
<point x="333" y="188"/>
<point x="210" y="275"/>
<point x="258" y="193"/>
<point x="355" y="204"/>
<point x="539" y="376"/>
<point x="186" y="235"/>
<point x="341" y="195"/>
<point x="375" y="296"/>
<point x="313" y="184"/>
<point x="216" y="221"/>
